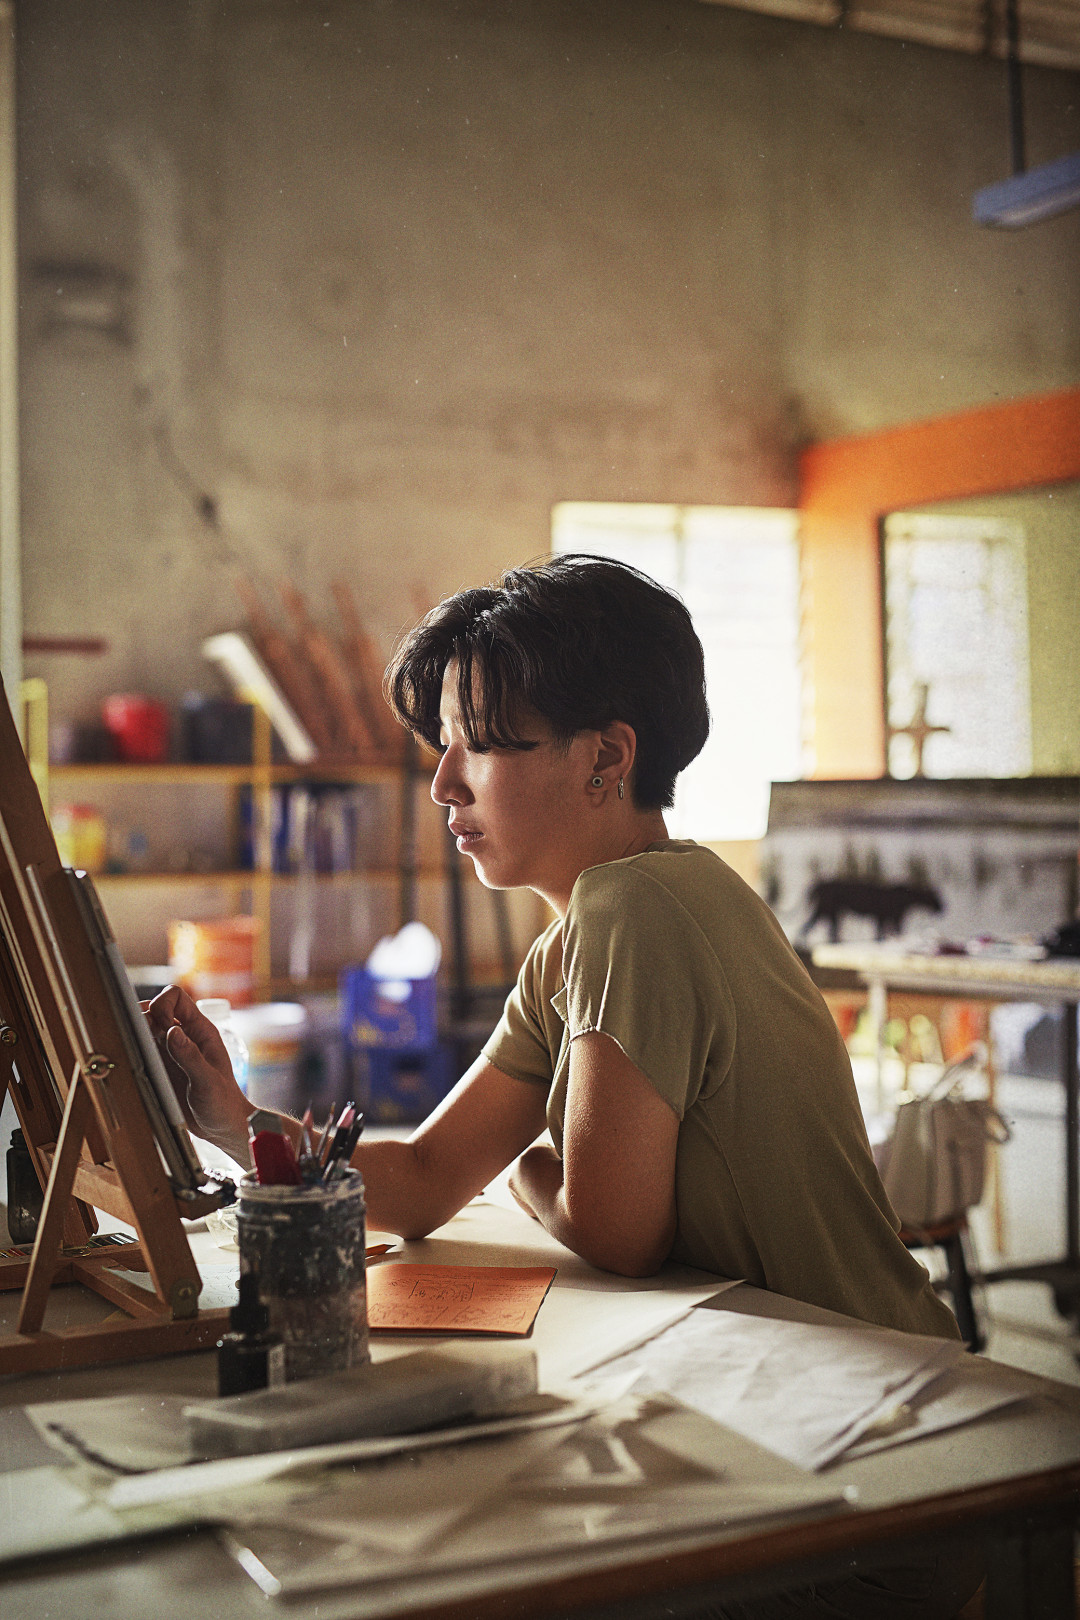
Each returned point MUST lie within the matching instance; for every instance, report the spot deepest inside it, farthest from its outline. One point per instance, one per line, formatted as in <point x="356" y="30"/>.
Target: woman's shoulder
<point x="675" y="887"/>
<point x="545" y="948"/>
<point x="675" y="871"/>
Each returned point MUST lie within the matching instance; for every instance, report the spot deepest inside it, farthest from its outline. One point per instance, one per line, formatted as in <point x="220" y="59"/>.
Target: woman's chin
<point x="493" y="874"/>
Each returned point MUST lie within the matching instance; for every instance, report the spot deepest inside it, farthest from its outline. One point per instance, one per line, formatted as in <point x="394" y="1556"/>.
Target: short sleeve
<point x="639" y="968"/>
<point x="519" y="1044"/>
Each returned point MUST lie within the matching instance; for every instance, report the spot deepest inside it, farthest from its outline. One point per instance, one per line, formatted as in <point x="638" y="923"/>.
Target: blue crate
<point x="375" y="1021"/>
<point x="403" y="1087"/>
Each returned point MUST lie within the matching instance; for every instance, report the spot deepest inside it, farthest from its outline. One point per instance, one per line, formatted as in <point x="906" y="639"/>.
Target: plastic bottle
<point x="219" y="1012"/>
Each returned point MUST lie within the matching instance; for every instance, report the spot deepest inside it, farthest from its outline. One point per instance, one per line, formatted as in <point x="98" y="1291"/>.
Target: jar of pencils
<point x="305" y="1245"/>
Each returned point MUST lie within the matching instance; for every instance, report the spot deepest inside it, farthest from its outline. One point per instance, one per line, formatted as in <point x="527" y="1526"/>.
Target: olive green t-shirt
<point x="677" y="959"/>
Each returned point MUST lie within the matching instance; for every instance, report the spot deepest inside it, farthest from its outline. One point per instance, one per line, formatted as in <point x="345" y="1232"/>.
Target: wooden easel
<point x="91" y="1125"/>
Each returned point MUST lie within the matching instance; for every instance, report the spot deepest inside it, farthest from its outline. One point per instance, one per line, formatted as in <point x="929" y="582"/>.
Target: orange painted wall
<point x="846" y="487"/>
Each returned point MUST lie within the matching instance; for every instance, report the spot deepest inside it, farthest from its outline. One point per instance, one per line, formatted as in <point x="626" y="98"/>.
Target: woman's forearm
<point x="401" y="1192"/>
<point x="413" y="1187"/>
<point x="400" y="1195"/>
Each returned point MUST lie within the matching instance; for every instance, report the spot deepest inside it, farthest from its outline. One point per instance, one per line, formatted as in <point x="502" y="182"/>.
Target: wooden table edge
<point x="781" y="1544"/>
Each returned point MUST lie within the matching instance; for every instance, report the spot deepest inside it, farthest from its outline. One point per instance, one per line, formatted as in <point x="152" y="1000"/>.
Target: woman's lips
<point x="467" y="838"/>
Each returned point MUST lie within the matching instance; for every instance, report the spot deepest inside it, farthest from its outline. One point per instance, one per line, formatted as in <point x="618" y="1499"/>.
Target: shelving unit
<point x="251" y="889"/>
<point x="407" y="849"/>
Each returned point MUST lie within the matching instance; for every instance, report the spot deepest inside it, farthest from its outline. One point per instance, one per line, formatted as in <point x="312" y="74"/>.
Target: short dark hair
<point x="580" y="641"/>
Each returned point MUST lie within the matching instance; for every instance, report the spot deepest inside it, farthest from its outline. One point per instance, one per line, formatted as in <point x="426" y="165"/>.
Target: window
<point x="956" y="624"/>
<point x="737" y="570"/>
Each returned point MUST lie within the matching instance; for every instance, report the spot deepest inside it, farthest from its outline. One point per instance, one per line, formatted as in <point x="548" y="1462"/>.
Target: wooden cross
<point x="918" y="727"/>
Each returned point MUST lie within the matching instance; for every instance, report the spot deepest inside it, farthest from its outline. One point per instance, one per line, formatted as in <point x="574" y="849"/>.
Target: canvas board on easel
<point x="95" y="1106"/>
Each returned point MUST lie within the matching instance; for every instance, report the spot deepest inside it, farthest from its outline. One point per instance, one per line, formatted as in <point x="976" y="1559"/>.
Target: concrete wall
<point x="400" y="275"/>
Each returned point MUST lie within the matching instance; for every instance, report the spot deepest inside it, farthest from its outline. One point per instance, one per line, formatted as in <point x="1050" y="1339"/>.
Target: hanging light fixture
<point x="1030" y="194"/>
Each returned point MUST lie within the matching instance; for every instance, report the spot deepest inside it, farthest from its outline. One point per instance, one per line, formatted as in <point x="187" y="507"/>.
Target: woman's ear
<point x="616" y="748"/>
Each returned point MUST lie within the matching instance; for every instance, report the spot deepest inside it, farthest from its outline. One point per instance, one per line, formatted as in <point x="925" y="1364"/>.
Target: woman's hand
<point x="198" y="1065"/>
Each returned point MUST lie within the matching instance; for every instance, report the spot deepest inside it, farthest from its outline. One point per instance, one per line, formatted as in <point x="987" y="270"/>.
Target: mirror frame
<point x="846" y="486"/>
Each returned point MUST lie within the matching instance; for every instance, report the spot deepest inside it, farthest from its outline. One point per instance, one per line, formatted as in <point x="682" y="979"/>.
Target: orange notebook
<point x="455" y="1299"/>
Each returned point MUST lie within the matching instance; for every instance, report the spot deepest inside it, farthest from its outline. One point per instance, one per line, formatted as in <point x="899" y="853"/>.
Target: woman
<point x="698" y="1095"/>
<point x="699" y="1098"/>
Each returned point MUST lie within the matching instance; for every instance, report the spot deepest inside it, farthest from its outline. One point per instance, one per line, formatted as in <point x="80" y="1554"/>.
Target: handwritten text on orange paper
<point x="456" y="1299"/>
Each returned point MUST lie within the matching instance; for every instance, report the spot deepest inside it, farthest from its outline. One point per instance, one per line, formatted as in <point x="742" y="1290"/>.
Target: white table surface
<point x="189" y="1575"/>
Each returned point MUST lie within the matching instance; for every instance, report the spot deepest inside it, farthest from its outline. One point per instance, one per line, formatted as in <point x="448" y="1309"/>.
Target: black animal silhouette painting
<point x="888" y="904"/>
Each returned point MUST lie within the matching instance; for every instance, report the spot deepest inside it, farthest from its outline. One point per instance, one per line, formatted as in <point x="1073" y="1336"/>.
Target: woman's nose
<point x="446" y="784"/>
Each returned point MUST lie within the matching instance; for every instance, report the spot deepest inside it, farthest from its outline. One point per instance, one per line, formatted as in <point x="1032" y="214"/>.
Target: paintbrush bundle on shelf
<point x="332" y="684"/>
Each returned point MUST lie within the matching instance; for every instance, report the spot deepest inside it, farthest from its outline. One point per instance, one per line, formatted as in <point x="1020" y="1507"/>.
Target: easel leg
<point x="77" y="1113"/>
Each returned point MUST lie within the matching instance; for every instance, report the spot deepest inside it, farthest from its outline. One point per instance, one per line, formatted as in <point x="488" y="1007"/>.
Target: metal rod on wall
<point x="10" y="550"/>
<point x="1017" y="152"/>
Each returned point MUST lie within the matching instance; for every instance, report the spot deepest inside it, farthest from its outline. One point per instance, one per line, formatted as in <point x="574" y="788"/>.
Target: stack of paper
<point x="374" y="1511"/>
<point x="633" y="1472"/>
<point x="808" y="1393"/>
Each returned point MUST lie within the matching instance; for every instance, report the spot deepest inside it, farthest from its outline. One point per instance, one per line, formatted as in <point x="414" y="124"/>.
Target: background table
<point x="1055" y="981"/>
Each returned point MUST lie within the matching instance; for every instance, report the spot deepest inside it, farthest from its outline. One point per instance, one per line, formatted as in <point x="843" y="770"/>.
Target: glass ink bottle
<point x="250" y="1356"/>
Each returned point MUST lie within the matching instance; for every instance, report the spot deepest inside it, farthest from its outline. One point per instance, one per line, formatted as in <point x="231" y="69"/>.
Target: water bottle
<point x="219" y="1012"/>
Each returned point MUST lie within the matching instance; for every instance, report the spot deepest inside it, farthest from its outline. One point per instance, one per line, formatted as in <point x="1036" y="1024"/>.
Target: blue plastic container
<point x="403" y="1087"/>
<point x="391" y="1016"/>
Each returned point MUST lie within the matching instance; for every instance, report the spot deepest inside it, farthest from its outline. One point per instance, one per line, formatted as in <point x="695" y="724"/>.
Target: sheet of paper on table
<point x="951" y="1400"/>
<point x="403" y="1298"/>
<point x="631" y="1472"/>
<point x="146" y="1440"/>
<point x="807" y="1392"/>
<point x="54" y="1509"/>
<point x="631" y="1469"/>
<point x="408" y="1499"/>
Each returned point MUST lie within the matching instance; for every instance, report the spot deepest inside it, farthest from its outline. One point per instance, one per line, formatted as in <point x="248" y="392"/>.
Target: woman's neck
<point x="629" y="835"/>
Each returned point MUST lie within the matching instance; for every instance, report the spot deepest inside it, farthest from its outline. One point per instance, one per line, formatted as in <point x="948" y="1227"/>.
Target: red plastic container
<point x="139" y="727"/>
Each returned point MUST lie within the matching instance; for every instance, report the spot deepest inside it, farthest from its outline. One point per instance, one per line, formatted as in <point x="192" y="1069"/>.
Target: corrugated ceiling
<point x="1049" y="29"/>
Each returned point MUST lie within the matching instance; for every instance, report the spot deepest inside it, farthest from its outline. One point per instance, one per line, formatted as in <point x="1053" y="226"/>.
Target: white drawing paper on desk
<point x="126" y="1433"/>
<point x="682" y="1474"/>
<point x="951" y="1400"/>
<point x="807" y="1392"/>
<point x="50" y="1510"/>
<point x="588" y="1315"/>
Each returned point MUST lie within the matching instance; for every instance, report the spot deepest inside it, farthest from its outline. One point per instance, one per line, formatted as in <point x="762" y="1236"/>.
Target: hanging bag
<point x="933" y="1166"/>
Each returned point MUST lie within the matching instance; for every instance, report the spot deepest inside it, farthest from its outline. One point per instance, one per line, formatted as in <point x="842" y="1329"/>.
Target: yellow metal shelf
<point x="375" y="774"/>
<point x="247" y="878"/>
